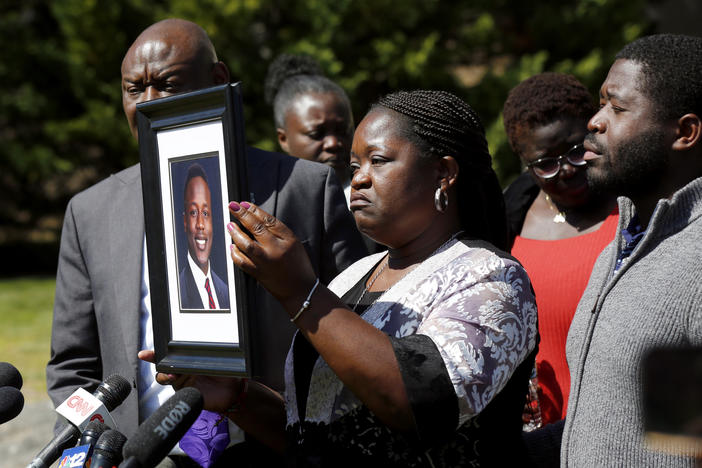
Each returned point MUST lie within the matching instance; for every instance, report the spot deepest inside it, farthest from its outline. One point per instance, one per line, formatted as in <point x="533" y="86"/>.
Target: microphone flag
<point x="82" y="407"/>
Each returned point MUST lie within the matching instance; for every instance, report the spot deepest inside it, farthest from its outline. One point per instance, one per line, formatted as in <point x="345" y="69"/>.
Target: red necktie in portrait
<point x="209" y="294"/>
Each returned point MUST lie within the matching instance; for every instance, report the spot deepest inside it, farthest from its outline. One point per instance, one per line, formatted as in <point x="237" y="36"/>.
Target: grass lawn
<point x="25" y="329"/>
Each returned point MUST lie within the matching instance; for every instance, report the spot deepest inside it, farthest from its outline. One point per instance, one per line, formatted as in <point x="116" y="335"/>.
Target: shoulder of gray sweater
<point x="682" y="209"/>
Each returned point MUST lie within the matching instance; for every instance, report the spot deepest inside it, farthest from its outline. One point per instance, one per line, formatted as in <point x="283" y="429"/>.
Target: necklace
<point x="387" y="262"/>
<point x="370" y="283"/>
<point x="560" y="216"/>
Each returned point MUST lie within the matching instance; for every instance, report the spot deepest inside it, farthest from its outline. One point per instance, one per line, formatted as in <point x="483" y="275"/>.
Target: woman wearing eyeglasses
<point x="558" y="225"/>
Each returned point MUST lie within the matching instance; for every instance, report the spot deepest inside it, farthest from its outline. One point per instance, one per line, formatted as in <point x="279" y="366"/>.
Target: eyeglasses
<point x="549" y="167"/>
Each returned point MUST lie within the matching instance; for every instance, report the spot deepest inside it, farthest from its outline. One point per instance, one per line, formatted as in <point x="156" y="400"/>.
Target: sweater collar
<point x="670" y="215"/>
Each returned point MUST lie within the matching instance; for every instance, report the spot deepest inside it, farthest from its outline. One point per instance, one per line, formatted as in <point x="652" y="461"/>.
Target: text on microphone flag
<point x="82" y="407"/>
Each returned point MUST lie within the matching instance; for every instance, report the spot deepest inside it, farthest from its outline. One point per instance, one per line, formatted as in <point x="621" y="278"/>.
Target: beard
<point x="631" y="168"/>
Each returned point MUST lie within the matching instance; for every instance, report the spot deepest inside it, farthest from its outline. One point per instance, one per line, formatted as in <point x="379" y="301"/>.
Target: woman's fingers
<point x="260" y="224"/>
<point x="248" y="216"/>
<point x="242" y="249"/>
<point x="271" y="238"/>
<point x="242" y="261"/>
<point x="270" y="253"/>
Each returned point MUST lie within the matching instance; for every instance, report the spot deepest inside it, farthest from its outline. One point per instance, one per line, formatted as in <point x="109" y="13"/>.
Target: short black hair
<point x="543" y="99"/>
<point x="290" y="76"/>
<point x="195" y="170"/>
<point x="442" y="124"/>
<point x="671" y="68"/>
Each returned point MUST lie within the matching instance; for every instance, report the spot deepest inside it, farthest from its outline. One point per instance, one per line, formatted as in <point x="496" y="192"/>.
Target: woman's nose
<point x="360" y="177"/>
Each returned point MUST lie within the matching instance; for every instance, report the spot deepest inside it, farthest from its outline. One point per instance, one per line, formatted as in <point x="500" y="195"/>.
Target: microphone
<point x="108" y="450"/>
<point x="11" y="403"/>
<point x="92" y="433"/>
<point x="111" y="392"/>
<point x="80" y="455"/>
<point x="155" y="437"/>
<point x="76" y="457"/>
<point x="10" y="376"/>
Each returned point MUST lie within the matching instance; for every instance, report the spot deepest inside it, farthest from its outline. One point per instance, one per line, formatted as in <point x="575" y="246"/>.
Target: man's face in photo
<point x="197" y="219"/>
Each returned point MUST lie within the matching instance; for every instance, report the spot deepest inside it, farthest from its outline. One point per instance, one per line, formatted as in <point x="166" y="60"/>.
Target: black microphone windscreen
<point x="10" y="376"/>
<point x="92" y="432"/>
<point x="11" y="403"/>
<point x="113" y="391"/>
<point x="108" y="450"/>
<point x="155" y="437"/>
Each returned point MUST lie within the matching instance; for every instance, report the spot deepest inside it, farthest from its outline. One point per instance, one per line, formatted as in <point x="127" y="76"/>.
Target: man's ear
<point x="220" y="73"/>
<point x="448" y="171"/>
<point x="282" y="139"/>
<point x="689" y="132"/>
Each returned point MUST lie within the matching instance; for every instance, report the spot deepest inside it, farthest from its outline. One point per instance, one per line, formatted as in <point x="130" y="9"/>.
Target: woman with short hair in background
<point x="312" y="114"/>
<point x="558" y="225"/>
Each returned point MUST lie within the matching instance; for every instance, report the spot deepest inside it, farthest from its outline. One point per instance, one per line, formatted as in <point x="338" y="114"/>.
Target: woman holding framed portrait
<point x="416" y="356"/>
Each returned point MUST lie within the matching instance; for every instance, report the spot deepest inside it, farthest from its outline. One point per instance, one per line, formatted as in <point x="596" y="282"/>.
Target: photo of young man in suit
<point x="200" y="286"/>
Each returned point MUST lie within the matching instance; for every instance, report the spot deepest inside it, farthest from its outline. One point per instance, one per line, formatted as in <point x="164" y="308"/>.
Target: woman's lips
<point x="358" y="200"/>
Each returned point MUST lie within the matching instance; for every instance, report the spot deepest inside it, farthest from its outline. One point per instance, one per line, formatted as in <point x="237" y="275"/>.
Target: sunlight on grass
<point x="25" y="329"/>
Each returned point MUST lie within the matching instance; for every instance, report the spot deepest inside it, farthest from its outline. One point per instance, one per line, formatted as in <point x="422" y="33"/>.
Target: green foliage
<point x="61" y="123"/>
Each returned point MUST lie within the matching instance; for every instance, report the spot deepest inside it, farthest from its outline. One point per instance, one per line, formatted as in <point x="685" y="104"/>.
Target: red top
<point x="559" y="271"/>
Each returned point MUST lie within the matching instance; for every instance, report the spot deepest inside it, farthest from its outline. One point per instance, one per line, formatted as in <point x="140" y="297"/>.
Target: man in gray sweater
<point x="645" y="290"/>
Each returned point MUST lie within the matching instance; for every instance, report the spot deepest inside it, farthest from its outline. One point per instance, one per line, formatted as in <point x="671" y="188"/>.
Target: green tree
<point x="61" y="124"/>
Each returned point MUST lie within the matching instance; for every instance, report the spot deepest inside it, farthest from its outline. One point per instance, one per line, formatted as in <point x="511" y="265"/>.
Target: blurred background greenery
<point x="62" y="127"/>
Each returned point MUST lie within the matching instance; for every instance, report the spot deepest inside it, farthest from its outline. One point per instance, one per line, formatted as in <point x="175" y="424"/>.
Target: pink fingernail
<point x="246" y="205"/>
<point x="230" y="227"/>
<point x="231" y="247"/>
<point x="234" y="206"/>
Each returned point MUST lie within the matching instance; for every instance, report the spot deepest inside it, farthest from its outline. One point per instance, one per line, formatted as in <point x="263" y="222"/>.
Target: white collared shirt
<point x="347" y="194"/>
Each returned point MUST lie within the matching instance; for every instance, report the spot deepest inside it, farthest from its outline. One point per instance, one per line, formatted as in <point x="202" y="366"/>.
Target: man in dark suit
<point x="102" y="311"/>
<point x="197" y="221"/>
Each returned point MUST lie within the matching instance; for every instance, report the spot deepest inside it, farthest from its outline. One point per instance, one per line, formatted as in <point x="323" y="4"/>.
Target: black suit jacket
<point x="95" y="330"/>
<point x="189" y="295"/>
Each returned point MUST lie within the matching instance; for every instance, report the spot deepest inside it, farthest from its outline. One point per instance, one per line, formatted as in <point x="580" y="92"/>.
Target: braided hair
<point x="442" y="124"/>
<point x="290" y="76"/>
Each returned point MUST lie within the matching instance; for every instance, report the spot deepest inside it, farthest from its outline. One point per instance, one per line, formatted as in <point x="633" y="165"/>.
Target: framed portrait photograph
<point x="193" y="163"/>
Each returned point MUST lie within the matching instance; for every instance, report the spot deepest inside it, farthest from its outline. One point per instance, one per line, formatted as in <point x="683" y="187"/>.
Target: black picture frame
<point x="201" y="128"/>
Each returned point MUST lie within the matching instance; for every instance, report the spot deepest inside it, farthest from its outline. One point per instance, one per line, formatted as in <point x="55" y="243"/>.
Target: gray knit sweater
<point x="655" y="299"/>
